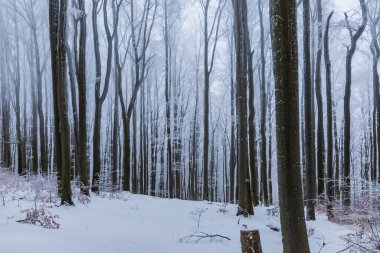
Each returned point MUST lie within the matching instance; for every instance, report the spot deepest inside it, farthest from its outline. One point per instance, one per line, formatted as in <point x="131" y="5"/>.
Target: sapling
<point x="197" y="215"/>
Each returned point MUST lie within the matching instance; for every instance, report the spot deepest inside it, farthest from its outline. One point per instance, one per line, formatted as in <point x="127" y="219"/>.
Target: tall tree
<point x="101" y="96"/>
<point x="283" y="18"/>
<point x="375" y="50"/>
<point x="6" y="156"/>
<point x="245" y="206"/>
<point x="263" y="97"/>
<point x="141" y="30"/>
<point x="208" y="62"/>
<point x="355" y="34"/>
<point x="329" y="164"/>
<point x="57" y="22"/>
<point x="310" y="187"/>
<point x="17" y="83"/>
<point x="168" y="107"/>
<point x="82" y="99"/>
<point x="53" y="34"/>
<point x="318" y="92"/>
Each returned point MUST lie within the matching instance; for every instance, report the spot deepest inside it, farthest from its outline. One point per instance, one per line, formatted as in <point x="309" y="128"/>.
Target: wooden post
<point x="250" y="241"/>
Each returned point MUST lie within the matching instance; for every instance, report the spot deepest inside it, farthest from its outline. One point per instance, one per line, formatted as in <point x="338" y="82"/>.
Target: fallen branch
<point x="197" y="236"/>
<point x="273" y="227"/>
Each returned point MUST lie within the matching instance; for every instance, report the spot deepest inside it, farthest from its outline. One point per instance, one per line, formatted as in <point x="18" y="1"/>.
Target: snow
<point x="135" y="223"/>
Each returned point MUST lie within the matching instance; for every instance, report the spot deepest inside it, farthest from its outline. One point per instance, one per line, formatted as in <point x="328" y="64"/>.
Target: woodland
<point x="270" y="104"/>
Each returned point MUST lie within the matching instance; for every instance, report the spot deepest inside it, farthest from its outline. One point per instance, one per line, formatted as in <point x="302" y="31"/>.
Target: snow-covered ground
<point x="134" y="223"/>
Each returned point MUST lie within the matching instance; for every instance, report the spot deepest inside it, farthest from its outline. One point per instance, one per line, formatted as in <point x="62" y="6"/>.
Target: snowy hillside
<point x="124" y="222"/>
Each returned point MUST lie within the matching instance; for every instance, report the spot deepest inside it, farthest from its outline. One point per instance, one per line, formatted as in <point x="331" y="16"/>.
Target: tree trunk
<point x="242" y="57"/>
<point x="53" y="26"/>
<point x="320" y="130"/>
<point x="329" y="165"/>
<point x="82" y="99"/>
<point x="63" y="106"/>
<point x="310" y="187"/>
<point x="285" y="50"/>
<point x="263" y="97"/>
<point x="17" y="81"/>
<point x="347" y="99"/>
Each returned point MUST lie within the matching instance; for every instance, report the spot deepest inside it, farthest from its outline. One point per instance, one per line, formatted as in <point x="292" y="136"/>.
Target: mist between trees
<point x="249" y="102"/>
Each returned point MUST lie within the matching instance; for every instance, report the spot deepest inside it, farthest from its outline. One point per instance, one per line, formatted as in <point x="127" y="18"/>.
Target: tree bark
<point x="245" y="206"/>
<point x="285" y="50"/>
<point x="329" y="165"/>
<point x="263" y="97"/>
<point x="310" y="187"/>
<point x="318" y="89"/>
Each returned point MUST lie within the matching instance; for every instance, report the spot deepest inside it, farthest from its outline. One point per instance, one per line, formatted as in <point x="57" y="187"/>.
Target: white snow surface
<point x="135" y="223"/>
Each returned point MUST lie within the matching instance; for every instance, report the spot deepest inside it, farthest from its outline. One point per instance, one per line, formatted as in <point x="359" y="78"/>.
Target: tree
<point x="263" y="97"/>
<point x="57" y="22"/>
<point x="140" y="38"/>
<point x="101" y="96"/>
<point x="17" y="82"/>
<point x="208" y="67"/>
<point x="6" y="157"/>
<point x="82" y="99"/>
<point x="355" y="34"/>
<point x="233" y="125"/>
<point x="252" y="134"/>
<point x="168" y="107"/>
<point x="310" y="187"/>
<point x="329" y="164"/>
<point x="283" y="18"/>
<point x="375" y="50"/>
<point x="320" y="130"/>
<point x="245" y="206"/>
<point x="53" y="34"/>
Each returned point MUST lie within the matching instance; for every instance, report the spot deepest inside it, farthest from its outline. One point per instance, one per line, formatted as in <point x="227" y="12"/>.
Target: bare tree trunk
<point x="17" y="81"/>
<point x="329" y="165"/>
<point x="318" y="89"/>
<point x="283" y="18"/>
<point x="375" y="50"/>
<point x="354" y="36"/>
<point x="168" y="109"/>
<point x="74" y="106"/>
<point x="82" y="98"/>
<point x="100" y="97"/>
<point x="233" y="129"/>
<point x="206" y="105"/>
<point x="245" y="206"/>
<point x="263" y="97"/>
<point x="64" y="126"/>
<point x="310" y="189"/>
<point x="34" y="130"/>
<point x="53" y="25"/>
<point x="43" y="159"/>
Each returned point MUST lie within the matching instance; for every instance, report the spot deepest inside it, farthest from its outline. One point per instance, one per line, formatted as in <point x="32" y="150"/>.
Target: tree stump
<point x="250" y="241"/>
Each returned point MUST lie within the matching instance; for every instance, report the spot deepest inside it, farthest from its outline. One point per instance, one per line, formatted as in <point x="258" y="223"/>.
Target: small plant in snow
<point x="310" y="231"/>
<point x="197" y="215"/>
<point x="274" y="211"/>
<point x="37" y="186"/>
<point x="366" y="238"/>
<point x="84" y="199"/>
<point x="40" y="217"/>
<point x="223" y="209"/>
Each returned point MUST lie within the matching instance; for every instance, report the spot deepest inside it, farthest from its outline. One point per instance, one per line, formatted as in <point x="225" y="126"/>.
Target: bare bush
<point x="40" y="217"/>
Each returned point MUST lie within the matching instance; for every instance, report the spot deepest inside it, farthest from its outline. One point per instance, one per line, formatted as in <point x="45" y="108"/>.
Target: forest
<point x="254" y="118"/>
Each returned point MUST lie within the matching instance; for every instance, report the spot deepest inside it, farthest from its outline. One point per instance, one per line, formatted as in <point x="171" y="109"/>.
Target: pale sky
<point x="345" y="5"/>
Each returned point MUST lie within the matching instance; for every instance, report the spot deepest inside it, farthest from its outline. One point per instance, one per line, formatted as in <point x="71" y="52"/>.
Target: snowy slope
<point x="138" y="223"/>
